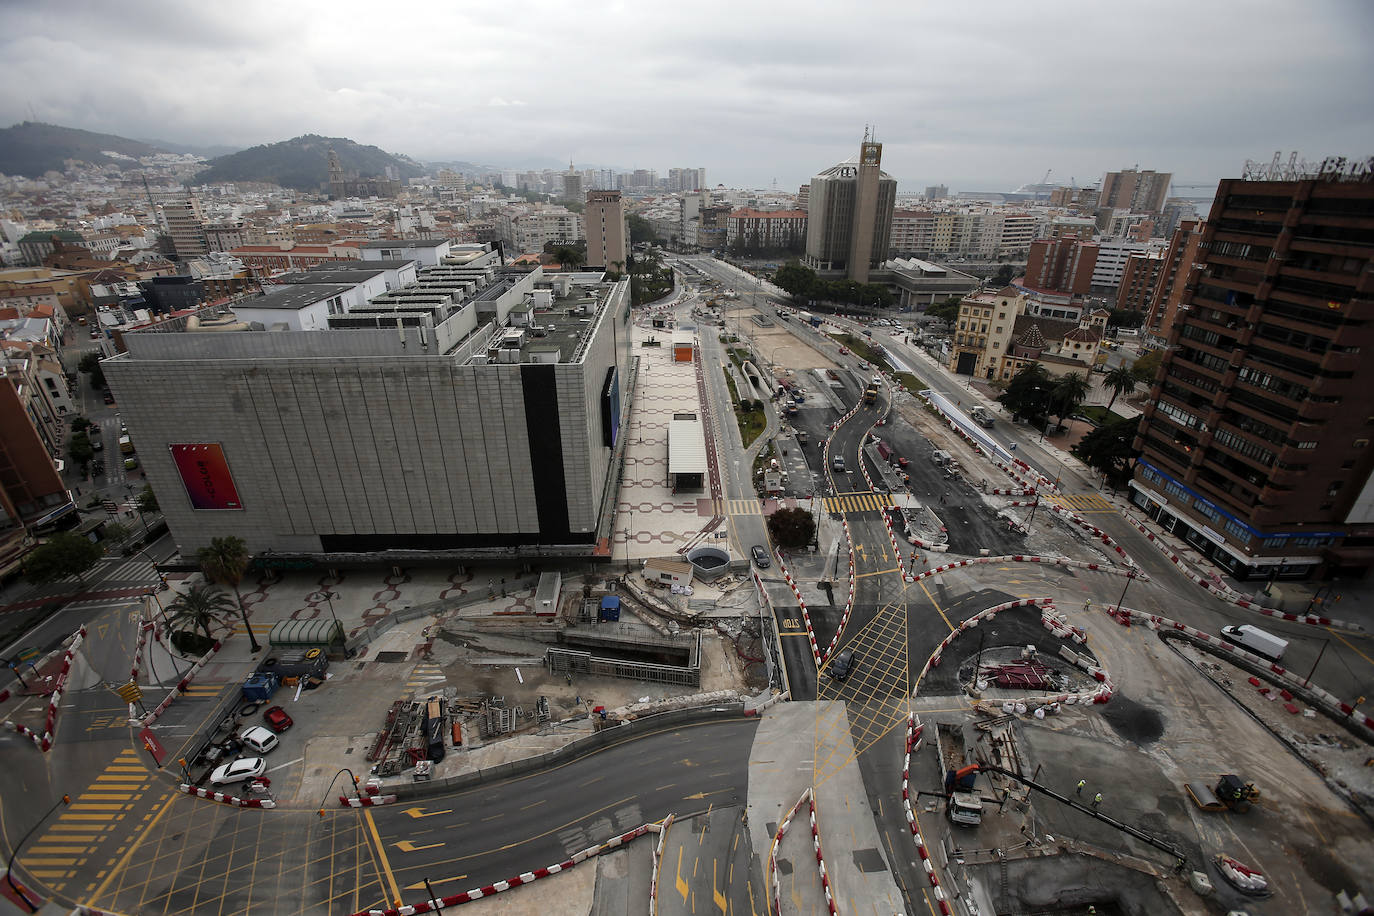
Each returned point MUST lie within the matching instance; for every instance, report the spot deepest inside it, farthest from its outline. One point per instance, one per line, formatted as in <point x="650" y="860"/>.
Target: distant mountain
<point x="303" y="163"/>
<point x="31" y="148"/>
<point x="191" y="149"/>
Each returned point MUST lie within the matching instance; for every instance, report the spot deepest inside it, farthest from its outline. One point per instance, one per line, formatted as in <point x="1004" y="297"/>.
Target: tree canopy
<point x="1068" y="393"/>
<point x="64" y="554"/>
<point x="90" y="364"/>
<point x="1108" y="449"/>
<point x="946" y="311"/>
<point x="1145" y="368"/>
<point x="641" y="230"/>
<point x="198" y="607"/>
<point x="1121" y="381"/>
<point x="1028" y="393"/>
<point x="791" y="528"/>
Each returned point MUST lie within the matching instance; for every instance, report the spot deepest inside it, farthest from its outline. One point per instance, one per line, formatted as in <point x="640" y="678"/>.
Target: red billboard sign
<point x="206" y="476"/>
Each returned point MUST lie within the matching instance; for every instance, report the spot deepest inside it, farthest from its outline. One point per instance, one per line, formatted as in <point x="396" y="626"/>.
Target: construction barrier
<point x="224" y="798"/>
<point x="43" y="740"/>
<point x="489" y="890"/>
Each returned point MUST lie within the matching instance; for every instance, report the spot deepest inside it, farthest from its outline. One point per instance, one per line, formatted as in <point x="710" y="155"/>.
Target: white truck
<point x="1256" y="640"/>
<point x="962" y="802"/>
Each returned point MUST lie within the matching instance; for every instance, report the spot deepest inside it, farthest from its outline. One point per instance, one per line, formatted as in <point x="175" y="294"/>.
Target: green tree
<point x="225" y="561"/>
<point x="876" y="294"/>
<point x="1028" y="393"/>
<point x="795" y="280"/>
<point x="79" y="448"/>
<point x="80" y="423"/>
<point x="1121" y="381"/>
<point x="947" y="311"/>
<point x="147" y="499"/>
<point x="90" y="364"/>
<point x="1005" y="274"/>
<point x="1068" y="393"/>
<point x="1145" y="368"/>
<point x="791" y="527"/>
<point x="1108" y="449"/>
<point x="63" y="555"/>
<point x="198" y="607"/>
<point x="641" y="230"/>
<point x="115" y="531"/>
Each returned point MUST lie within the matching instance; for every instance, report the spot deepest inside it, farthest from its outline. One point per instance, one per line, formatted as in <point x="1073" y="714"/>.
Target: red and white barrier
<point x="1225" y="593"/>
<point x="43" y="740"/>
<point x="1131" y="572"/>
<point x="1332" y="704"/>
<point x="366" y="801"/>
<point x="914" y="731"/>
<point x="478" y="893"/>
<point x="820" y="861"/>
<point x="658" y="864"/>
<point x="184" y="683"/>
<point x="771" y="875"/>
<point x="224" y="798"/>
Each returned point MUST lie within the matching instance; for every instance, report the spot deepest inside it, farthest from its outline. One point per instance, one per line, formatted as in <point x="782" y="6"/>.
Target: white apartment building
<point x="531" y="230"/>
<point x="1111" y="259"/>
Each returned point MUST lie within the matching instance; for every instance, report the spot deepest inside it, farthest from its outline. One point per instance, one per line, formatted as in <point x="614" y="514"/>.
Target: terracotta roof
<point x="1009" y="290"/>
<point x="1048" y="328"/>
<point x="1032" y="339"/>
<point x="1084" y="335"/>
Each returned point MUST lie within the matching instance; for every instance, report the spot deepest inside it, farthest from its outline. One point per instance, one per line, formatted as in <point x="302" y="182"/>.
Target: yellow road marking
<point x="716" y="895"/>
<point x="1350" y="645"/>
<point x="681" y="885"/>
<point x="879" y="572"/>
<point x="922" y="583"/>
<point x="381" y="854"/>
<point x="408" y="846"/>
<point x="133" y="847"/>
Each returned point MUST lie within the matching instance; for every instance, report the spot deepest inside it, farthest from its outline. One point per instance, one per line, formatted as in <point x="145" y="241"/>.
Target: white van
<point x="258" y="739"/>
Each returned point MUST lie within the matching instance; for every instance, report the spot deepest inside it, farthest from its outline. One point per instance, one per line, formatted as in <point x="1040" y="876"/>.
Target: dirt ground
<point x="778" y="344"/>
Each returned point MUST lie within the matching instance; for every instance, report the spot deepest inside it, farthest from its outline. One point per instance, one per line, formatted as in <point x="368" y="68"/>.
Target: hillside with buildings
<point x="303" y="164"/>
<point x="32" y="148"/>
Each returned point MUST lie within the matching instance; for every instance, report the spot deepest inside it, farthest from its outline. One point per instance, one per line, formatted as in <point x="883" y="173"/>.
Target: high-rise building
<point x="603" y="224"/>
<point x="1256" y="441"/>
<point x="849" y="209"/>
<point x="1130" y="189"/>
<point x="1139" y="280"/>
<point x="32" y="494"/>
<point x="1061" y="265"/>
<point x="936" y="191"/>
<point x="572" y="185"/>
<point x="1172" y="282"/>
<point x="186" y="227"/>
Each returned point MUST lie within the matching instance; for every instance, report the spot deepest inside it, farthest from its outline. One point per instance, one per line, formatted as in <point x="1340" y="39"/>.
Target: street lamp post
<point x="14" y="854"/>
<point x="329" y="597"/>
<point x="1130" y="577"/>
<point x="330" y="787"/>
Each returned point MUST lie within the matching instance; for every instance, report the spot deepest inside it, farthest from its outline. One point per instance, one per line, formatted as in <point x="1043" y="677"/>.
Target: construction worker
<point x="1081" y="784"/>
<point x="1097" y="800"/>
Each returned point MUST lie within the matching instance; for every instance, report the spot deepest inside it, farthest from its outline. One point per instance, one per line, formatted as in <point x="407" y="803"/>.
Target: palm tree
<point x="1121" y="380"/>
<point x="199" y="607"/>
<point x="1068" y="393"/>
<point x="225" y="561"/>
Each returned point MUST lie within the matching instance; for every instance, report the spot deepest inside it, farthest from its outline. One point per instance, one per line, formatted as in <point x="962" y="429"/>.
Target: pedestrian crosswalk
<point x="843" y="502"/>
<point x="117" y="569"/>
<point x="425" y="677"/>
<point x="858" y="502"/>
<point x="81" y="833"/>
<point x="205" y="689"/>
<point x="1082" y="502"/>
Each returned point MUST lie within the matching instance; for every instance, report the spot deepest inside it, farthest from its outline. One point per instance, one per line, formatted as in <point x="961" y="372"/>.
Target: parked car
<point x="277" y="719"/>
<point x="760" y="556"/>
<point x="241" y="770"/>
<point x="97" y="443"/>
<point x="258" y="739"/>
<point x="109" y="398"/>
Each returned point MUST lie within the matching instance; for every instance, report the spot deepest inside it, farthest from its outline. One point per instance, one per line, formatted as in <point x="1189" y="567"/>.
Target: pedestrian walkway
<point x="1083" y="502"/>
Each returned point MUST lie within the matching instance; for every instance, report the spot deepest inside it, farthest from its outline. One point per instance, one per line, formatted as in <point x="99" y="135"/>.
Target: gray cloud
<point x="986" y="94"/>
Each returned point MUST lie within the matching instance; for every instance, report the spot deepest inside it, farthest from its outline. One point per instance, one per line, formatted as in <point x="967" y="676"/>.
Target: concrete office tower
<point x="603" y="224"/>
<point x="1135" y="190"/>
<point x="429" y="424"/>
<point x="1256" y="441"/>
<point x="186" y="227"/>
<point x="849" y="210"/>
<point x="572" y="184"/>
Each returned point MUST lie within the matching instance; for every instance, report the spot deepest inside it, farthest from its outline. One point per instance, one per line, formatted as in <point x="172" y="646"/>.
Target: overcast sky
<point x="976" y="94"/>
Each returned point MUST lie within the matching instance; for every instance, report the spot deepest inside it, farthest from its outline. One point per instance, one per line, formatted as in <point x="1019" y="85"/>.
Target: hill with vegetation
<point x="31" y="148"/>
<point x="302" y="163"/>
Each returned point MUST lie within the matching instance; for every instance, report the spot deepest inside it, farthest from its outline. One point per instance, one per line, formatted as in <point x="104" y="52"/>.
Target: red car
<point x="277" y="719"/>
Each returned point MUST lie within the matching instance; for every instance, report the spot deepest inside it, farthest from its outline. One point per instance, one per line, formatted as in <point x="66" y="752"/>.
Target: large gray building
<point x="849" y="209"/>
<point x="418" y="426"/>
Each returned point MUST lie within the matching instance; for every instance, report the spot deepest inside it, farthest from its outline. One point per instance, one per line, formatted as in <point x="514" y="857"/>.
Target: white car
<point x="258" y="739"/>
<point x="241" y="770"/>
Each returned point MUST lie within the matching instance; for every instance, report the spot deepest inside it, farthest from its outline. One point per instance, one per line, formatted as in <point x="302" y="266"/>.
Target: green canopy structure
<point x="306" y="633"/>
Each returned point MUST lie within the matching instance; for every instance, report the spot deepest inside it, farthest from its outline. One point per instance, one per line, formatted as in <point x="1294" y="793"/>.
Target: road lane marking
<point x="1350" y="644"/>
<point x="681" y="885"/>
<point x="133" y="847"/>
<point x="420" y="885"/>
<point x="381" y="854"/>
<point x="421" y="812"/>
<point x="408" y="846"/>
<point x="716" y="895"/>
<point x="284" y="765"/>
